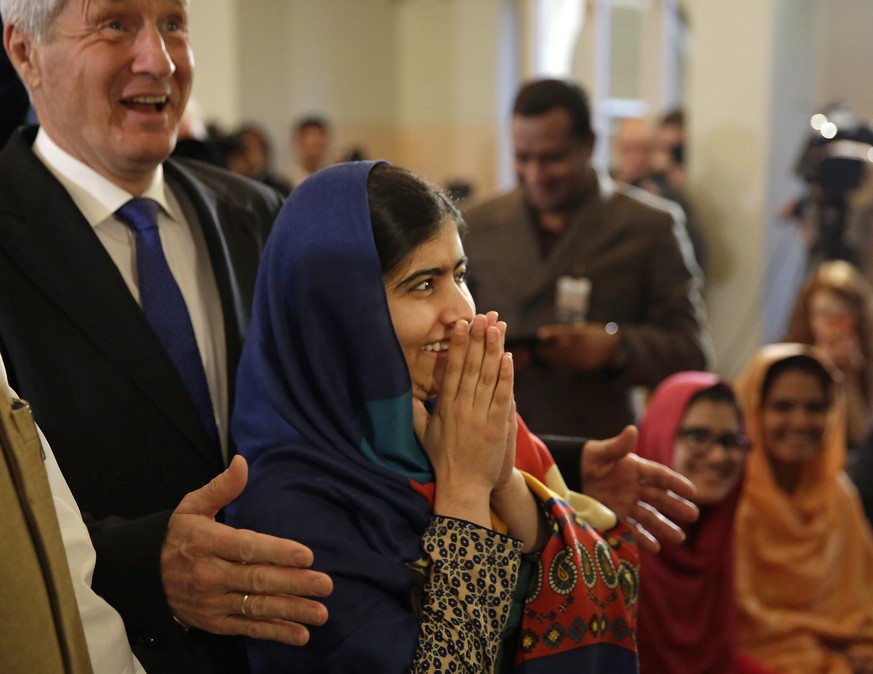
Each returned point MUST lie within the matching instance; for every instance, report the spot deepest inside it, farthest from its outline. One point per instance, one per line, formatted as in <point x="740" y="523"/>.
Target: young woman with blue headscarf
<point x="430" y="512"/>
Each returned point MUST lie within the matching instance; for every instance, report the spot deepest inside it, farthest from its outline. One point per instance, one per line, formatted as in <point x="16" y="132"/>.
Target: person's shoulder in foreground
<point x="47" y="563"/>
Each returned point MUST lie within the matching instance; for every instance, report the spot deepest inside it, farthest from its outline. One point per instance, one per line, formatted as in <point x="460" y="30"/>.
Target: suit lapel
<point x="56" y="248"/>
<point x="227" y="246"/>
<point x="587" y="233"/>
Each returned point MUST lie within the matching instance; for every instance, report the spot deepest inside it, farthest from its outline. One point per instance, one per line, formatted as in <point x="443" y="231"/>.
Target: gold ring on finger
<point x="245" y="601"/>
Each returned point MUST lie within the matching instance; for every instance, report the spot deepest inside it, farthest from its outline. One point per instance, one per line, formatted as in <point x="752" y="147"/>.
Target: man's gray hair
<point x="35" y="17"/>
<point x="32" y="17"/>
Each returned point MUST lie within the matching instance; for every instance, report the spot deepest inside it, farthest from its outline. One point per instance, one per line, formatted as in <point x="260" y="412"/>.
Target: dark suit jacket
<point x="78" y="347"/>
<point x="634" y="249"/>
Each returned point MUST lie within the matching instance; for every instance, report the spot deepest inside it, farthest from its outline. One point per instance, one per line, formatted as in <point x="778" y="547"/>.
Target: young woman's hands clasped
<point x="471" y="436"/>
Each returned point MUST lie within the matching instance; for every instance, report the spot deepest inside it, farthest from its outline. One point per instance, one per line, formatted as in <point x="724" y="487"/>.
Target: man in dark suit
<point x="109" y="81"/>
<point x="568" y="226"/>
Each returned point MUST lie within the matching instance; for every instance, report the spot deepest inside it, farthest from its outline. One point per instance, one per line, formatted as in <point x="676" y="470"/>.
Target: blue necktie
<point x="165" y="308"/>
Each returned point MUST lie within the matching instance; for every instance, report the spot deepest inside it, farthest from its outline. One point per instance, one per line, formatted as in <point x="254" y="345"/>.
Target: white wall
<point x="449" y="88"/>
<point x="844" y="53"/>
<point x="749" y="114"/>
<point x="215" y="37"/>
<point x="728" y="143"/>
<point x="791" y="105"/>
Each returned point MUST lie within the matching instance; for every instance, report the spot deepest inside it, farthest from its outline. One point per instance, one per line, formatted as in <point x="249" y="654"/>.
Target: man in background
<point x="631" y="150"/>
<point x="310" y="143"/>
<point x="596" y="281"/>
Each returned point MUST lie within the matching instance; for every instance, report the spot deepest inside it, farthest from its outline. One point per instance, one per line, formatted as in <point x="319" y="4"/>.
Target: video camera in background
<point x="833" y="163"/>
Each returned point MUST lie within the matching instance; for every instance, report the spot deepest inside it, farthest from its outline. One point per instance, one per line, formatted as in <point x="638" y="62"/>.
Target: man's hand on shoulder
<point x="234" y="581"/>
<point x="651" y="497"/>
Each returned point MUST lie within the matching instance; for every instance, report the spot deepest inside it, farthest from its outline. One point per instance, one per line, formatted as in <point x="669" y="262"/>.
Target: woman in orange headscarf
<point x="804" y="549"/>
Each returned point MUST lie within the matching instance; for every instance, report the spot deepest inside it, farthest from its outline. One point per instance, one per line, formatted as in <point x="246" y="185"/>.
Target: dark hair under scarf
<point x="405" y="212"/>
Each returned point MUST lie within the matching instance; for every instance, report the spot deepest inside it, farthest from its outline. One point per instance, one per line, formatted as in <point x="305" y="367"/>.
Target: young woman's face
<point x="426" y="296"/>
<point x="793" y="417"/>
<point x="830" y="317"/>
<point x="710" y="450"/>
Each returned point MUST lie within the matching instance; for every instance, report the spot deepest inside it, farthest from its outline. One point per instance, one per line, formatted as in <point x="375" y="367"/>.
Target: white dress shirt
<point x="184" y="247"/>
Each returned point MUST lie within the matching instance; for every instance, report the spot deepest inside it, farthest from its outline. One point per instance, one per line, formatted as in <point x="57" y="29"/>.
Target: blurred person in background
<point x="668" y="149"/>
<point x="195" y="140"/>
<point x="250" y="154"/>
<point x="661" y="170"/>
<point x="310" y="145"/>
<point x="635" y="313"/>
<point x="804" y="550"/>
<point x="834" y="312"/>
<point x="632" y="150"/>
<point x="687" y="619"/>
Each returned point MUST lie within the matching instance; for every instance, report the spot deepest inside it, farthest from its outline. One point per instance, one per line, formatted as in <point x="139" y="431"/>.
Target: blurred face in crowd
<point x="632" y="149"/>
<point x="255" y="150"/>
<point x="710" y="450"/>
<point x="793" y="418"/>
<point x="667" y="137"/>
<point x="427" y="295"/>
<point x="831" y="317"/>
<point x="551" y="164"/>
<point x="312" y="146"/>
<point x="110" y="82"/>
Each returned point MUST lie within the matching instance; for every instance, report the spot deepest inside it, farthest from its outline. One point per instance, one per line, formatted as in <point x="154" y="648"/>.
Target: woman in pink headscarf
<point x="688" y="620"/>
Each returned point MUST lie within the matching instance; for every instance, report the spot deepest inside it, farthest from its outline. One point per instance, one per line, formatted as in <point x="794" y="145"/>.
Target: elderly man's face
<point x="111" y="81"/>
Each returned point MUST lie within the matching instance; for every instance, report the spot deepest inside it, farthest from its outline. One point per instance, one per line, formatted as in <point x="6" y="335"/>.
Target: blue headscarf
<point x="323" y="414"/>
<point x="322" y="360"/>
